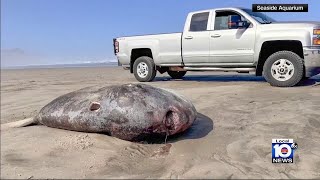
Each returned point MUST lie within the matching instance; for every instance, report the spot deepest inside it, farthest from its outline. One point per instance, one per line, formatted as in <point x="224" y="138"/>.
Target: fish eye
<point x="95" y="106"/>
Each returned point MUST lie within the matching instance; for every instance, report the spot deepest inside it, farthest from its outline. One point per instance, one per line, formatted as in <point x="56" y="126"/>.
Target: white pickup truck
<point x="227" y="39"/>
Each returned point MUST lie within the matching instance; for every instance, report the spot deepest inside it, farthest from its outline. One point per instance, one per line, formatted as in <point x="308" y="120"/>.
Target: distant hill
<point x="17" y="58"/>
<point x="88" y="64"/>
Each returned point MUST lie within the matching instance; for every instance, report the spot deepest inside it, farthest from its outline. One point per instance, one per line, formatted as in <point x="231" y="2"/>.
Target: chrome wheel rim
<point x="142" y="70"/>
<point x="282" y="70"/>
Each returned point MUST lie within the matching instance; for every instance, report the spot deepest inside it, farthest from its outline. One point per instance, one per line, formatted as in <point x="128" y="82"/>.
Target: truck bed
<point x="166" y="48"/>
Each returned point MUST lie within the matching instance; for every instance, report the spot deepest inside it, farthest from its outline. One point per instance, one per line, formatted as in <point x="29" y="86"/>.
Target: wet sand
<point x="239" y="115"/>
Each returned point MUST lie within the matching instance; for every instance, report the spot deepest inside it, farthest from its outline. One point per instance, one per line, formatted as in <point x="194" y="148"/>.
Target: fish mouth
<point x="173" y="123"/>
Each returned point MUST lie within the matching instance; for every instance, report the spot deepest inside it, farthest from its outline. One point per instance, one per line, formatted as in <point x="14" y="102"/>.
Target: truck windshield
<point x="260" y="17"/>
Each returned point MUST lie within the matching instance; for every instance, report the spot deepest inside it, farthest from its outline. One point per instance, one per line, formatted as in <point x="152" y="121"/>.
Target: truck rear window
<point x="199" y="21"/>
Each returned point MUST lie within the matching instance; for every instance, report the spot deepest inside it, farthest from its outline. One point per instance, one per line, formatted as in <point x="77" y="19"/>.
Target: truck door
<point x="196" y="40"/>
<point x="231" y="45"/>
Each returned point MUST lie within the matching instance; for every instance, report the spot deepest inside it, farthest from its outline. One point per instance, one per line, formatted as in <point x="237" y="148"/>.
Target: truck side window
<point x="199" y="21"/>
<point x="221" y="20"/>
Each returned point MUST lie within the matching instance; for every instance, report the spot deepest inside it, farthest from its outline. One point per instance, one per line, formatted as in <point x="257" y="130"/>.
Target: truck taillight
<point x="115" y="46"/>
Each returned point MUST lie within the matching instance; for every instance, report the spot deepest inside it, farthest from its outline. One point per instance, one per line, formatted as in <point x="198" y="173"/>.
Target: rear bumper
<point x="312" y="60"/>
<point x="123" y="60"/>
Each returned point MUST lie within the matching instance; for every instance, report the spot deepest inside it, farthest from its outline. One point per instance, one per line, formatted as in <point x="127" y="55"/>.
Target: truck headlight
<point x="316" y="41"/>
<point x="316" y="37"/>
<point x="316" y="32"/>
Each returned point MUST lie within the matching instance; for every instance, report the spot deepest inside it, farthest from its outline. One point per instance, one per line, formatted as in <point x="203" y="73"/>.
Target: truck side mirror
<point x="234" y="22"/>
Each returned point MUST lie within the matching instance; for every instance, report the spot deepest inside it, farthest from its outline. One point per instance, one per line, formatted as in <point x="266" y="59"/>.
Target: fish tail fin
<point x="18" y="124"/>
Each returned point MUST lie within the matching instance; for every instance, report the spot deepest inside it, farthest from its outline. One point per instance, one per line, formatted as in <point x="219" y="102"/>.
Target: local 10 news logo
<point x="283" y="150"/>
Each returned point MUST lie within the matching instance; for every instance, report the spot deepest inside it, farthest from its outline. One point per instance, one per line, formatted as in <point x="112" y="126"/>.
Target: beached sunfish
<point x="131" y="111"/>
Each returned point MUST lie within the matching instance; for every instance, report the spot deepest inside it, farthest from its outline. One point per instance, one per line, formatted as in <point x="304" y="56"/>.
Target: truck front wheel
<point x="144" y="69"/>
<point x="283" y="69"/>
<point x="177" y="74"/>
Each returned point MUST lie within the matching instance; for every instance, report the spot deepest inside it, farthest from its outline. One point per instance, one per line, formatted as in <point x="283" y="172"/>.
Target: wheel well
<point x="136" y="53"/>
<point x="270" y="47"/>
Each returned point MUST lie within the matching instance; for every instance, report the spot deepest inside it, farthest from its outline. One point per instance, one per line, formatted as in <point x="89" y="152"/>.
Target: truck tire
<point x="283" y="69"/>
<point x="144" y="69"/>
<point x="177" y="74"/>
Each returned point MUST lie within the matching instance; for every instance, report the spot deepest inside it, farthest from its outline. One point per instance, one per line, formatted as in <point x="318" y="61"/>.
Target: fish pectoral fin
<point x="18" y="124"/>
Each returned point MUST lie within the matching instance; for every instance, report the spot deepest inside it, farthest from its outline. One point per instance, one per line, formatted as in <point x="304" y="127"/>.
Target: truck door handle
<point x="215" y="35"/>
<point x="189" y="37"/>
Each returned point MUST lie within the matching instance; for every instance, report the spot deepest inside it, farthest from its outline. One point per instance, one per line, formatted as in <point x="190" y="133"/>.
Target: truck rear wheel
<point x="144" y="69"/>
<point x="177" y="74"/>
<point x="283" y="69"/>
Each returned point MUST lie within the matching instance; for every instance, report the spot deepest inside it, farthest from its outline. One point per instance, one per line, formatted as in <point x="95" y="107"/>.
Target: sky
<point x="35" y="32"/>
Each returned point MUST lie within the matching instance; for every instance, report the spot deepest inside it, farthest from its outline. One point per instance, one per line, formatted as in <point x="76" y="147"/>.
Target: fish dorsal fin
<point x="18" y="124"/>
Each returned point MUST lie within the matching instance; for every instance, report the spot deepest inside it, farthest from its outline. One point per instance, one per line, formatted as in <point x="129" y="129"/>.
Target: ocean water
<point x="108" y="64"/>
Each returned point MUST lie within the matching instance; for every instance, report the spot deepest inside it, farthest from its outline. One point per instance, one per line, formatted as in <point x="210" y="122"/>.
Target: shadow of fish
<point x="131" y="112"/>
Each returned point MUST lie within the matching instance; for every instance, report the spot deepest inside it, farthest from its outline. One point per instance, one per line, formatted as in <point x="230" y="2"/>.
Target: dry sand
<point x="231" y="138"/>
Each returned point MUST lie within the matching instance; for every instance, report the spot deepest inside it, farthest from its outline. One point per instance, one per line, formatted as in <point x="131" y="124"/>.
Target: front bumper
<point x="312" y="60"/>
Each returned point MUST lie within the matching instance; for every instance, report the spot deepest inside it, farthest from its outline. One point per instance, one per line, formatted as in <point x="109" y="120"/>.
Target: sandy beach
<point x="239" y="115"/>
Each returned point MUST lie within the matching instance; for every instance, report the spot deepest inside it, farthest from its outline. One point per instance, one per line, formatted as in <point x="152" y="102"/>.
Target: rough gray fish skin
<point x="129" y="112"/>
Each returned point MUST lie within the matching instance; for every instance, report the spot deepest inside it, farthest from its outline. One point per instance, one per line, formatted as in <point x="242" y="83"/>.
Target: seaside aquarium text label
<point x="280" y="7"/>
